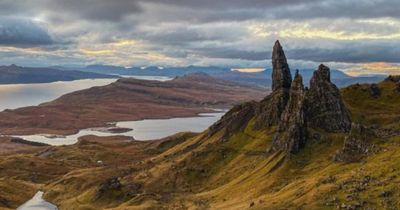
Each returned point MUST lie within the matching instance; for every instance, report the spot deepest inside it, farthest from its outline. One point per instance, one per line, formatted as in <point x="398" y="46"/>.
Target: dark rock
<point x="252" y="204"/>
<point x="110" y="185"/>
<point x="291" y="135"/>
<point x="235" y="120"/>
<point x="4" y="202"/>
<point x="386" y="194"/>
<point x="281" y="77"/>
<point x="355" y="144"/>
<point x="325" y="108"/>
<point x="270" y="109"/>
<point x="374" y="90"/>
<point x="134" y="189"/>
<point x="393" y="78"/>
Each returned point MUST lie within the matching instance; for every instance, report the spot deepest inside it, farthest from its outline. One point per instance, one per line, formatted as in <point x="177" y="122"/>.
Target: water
<point x="37" y="203"/>
<point x="20" y="95"/>
<point x="142" y="129"/>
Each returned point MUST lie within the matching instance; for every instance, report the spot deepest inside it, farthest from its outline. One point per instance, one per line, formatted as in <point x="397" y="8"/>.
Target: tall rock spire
<point x="281" y="77"/>
<point x="271" y="108"/>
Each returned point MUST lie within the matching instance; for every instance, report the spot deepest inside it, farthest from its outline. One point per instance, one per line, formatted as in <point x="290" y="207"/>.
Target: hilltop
<point x="298" y="148"/>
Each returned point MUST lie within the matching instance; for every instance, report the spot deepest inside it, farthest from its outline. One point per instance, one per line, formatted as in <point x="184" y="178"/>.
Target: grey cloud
<point x="200" y="11"/>
<point x="23" y="33"/>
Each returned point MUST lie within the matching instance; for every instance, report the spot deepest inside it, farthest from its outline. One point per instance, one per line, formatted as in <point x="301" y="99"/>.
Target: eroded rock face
<point x="291" y="135"/>
<point x="235" y="120"/>
<point x="270" y="109"/>
<point x="281" y="77"/>
<point x="325" y="108"/>
<point x="355" y="144"/>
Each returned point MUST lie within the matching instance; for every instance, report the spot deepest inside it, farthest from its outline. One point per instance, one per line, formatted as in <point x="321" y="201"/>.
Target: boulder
<point x="355" y="145"/>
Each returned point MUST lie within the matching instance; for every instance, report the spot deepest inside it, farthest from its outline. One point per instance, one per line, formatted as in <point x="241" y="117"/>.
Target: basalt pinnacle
<point x="281" y="77"/>
<point x="270" y="110"/>
<point x="325" y="108"/>
<point x="291" y="135"/>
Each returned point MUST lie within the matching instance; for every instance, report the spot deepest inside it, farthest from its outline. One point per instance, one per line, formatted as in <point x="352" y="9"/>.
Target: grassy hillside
<point x="213" y="170"/>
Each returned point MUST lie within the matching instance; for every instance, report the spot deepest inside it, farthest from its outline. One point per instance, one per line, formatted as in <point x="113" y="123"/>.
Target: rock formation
<point x="281" y="77"/>
<point x="291" y="135"/>
<point x="234" y="120"/>
<point x="396" y="80"/>
<point x="355" y="144"/>
<point x="325" y="108"/>
<point x="270" y="110"/>
<point x="290" y="107"/>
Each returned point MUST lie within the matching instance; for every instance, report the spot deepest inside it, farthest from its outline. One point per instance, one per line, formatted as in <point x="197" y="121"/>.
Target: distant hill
<point x="22" y="75"/>
<point x="263" y="78"/>
<point x="128" y="99"/>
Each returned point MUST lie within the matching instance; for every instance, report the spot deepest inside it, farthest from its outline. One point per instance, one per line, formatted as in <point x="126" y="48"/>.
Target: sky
<point x="359" y="37"/>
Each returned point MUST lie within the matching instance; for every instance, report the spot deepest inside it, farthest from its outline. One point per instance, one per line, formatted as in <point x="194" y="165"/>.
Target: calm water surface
<point x="142" y="129"/>
<point x="37" y="203"/>
<point x="21" y="95"/>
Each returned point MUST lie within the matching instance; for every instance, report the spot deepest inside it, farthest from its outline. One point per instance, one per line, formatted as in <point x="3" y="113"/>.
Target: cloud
<point x="23" y="33"/>
<point x="234" y="33"/>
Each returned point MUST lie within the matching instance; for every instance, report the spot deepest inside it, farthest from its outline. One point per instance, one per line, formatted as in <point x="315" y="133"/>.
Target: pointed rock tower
<point x="325" y="108"/>
<point x="281" y="77"/>
<point x="291" y="135"/>
<point x="271" y="108"/>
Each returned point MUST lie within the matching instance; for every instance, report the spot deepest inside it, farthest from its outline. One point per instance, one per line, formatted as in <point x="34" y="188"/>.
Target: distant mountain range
<point x="262" y="78"/>
<point x="23" y="75"/>
<point x="16" y="74"/>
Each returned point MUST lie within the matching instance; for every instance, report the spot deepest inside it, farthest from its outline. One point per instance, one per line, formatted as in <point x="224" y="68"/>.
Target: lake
<point x="37" y="203"/>
<point x="20" y="95"/>
<point x="141" y="130"/>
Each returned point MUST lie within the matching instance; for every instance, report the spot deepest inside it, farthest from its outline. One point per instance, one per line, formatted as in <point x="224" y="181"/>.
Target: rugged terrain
<point x="22" y="75"/>
<point x="298" y="148"/>
<point x="127" y="99"/>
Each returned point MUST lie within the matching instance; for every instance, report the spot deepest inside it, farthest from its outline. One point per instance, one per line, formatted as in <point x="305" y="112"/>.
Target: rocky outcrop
<point x="111" y="185"/>
<point x="396" y="80"/>
<point x="290" y="107"/>
<point x="233" y="121"/>
<point x="271" y="108"/>
<point x="325" y="108"/>
<point x="291" y="134"/>
<point x="281" y="77"/>
<point x="355" y="144"/>
<point x="374" y="90"/>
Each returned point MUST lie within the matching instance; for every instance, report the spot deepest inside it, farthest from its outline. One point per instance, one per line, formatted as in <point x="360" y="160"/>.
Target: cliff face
<point x="291" y="135"/>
